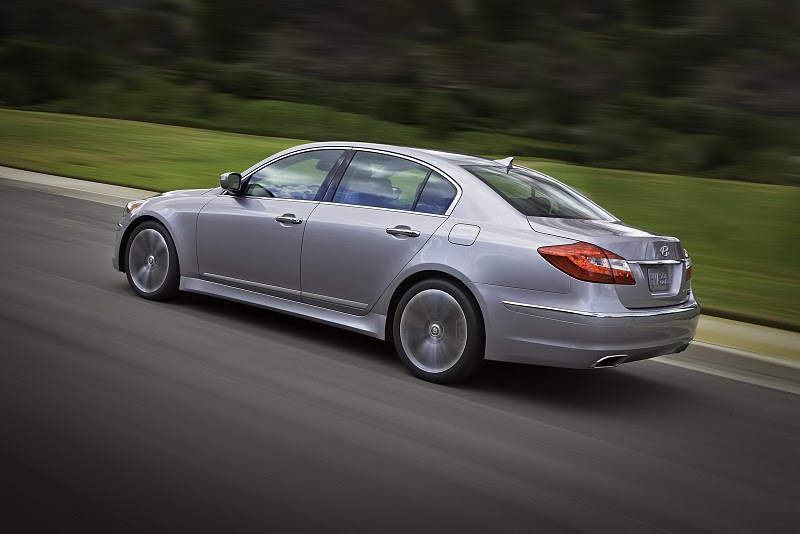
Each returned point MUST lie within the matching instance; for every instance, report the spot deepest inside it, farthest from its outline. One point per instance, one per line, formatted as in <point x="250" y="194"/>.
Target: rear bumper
<point x="519" y="329"/>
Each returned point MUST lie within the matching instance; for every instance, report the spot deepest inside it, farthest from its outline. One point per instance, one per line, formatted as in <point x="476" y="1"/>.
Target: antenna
<point x="507" y="162"/>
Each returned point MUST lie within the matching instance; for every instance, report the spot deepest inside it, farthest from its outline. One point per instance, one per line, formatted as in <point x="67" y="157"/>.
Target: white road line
<point x="785" y="386"/>
<point x="91" y="196"/>
<point x="747" y="354"/>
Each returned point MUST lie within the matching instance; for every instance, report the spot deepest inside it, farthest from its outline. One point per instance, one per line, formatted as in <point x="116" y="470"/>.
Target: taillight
<point x="688" y="264"/>
<point x="589" y="263"/>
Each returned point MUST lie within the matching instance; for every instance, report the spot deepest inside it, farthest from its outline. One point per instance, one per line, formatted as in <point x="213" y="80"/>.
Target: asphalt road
<point x="120" y="414"/>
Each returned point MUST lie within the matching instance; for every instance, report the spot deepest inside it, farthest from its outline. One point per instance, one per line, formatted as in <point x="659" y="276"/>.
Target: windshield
<point x="536" y="195"/>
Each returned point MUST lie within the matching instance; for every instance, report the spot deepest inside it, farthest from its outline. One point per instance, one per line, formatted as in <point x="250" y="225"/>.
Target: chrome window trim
<point x="384" y="209"/>
<point x="271" y="199"/>
<point x="269" y="161"/>
<point x="431" y="166"/>
<point x="448" y="211"/>
<point x="277" y="289"/>
<point x="644" y="313"/>
<point x="226" y="194"/>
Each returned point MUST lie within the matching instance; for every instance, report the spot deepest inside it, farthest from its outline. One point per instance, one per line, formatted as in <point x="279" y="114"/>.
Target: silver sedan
<point x="454" y="259"/>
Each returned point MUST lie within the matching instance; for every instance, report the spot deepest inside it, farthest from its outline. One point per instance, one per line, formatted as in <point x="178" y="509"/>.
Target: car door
<point x="253" y="240"/>
<point x="385" y="208"/>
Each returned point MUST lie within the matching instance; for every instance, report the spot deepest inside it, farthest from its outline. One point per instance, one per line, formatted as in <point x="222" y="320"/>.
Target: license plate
<point x="658" y="278"/>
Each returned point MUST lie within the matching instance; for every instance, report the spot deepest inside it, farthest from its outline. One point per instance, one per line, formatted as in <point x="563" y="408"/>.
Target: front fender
<point x="178" y="214"/>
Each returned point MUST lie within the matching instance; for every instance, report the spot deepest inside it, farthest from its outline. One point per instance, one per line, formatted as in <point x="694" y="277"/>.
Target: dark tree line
<point x="707" y="86"/>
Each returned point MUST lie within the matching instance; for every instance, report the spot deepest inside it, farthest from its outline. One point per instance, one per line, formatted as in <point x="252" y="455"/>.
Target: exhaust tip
<point x="681" y="348"/>
<point x="609" y="361"/>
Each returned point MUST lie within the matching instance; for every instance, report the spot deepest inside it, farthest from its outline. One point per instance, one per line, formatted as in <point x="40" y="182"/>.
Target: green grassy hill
<point x="741" y="235"/>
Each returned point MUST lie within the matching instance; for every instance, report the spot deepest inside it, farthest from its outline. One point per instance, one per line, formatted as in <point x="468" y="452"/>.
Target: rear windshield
<point x="536" y="195"/>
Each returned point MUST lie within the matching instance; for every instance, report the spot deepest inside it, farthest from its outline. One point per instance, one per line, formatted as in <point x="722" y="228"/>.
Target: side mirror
<point x="231" y="182"/>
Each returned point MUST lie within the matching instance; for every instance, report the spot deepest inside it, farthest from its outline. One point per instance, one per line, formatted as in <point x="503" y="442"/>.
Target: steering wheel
<point x="252" y="191"/>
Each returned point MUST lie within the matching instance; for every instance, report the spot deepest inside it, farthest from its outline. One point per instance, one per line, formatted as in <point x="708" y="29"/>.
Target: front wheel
<point x="152" y="262"/>
<point x="438" y="333"/>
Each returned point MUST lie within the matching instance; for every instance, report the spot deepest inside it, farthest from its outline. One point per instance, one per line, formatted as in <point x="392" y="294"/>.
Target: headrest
<point x="325" y="165"/>
<point x="372" y="186"/>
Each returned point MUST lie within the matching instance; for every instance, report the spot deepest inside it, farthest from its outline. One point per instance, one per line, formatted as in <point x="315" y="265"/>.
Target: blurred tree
<point x="437" y="112"/>
<point x="632" y="82"/>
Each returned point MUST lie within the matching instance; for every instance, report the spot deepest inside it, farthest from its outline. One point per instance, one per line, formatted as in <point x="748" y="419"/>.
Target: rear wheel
<point x="438" y="333"/>
<point x="152" y="262"/>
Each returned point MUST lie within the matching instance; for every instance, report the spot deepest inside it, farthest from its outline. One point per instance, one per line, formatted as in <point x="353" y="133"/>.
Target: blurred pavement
<point x="203" y="415"/>
<point x="752" y="353"/>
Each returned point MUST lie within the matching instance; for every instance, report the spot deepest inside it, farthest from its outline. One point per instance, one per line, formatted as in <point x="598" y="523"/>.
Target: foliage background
<point x="705" y="87"/>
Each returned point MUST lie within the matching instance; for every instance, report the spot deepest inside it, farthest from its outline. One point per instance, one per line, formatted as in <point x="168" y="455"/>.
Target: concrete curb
<point x="115" y="195"/>
<point x="750" y="338"/>
<point x="750" y="348"/>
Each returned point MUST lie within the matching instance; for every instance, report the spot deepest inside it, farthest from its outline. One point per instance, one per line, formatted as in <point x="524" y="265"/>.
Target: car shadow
<point x="632" y="388"/>
<point x="623" y="389"/>
<point x="266" y="323"/>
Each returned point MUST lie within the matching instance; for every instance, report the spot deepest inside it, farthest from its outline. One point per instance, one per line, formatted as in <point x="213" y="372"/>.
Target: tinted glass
<point x="299" y="176"/>
<point x="537" y="196"/>
<point x="381" y="181"/>
<point x="436" y="196"/>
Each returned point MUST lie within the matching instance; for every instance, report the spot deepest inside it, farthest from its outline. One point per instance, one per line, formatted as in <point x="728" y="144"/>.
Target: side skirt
<point x="372" y="324"/>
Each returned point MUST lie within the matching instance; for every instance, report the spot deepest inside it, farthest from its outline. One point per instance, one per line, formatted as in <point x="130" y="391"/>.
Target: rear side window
<point x="384" y="181"/>
<point x="538" y="196"/>
<point x="436" y="196"/>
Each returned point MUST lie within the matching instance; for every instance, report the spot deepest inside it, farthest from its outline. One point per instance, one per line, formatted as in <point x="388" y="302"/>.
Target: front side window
<point x="299" y="176"/>
<point x="381" y="181"/>
<point x="537" y="196"/>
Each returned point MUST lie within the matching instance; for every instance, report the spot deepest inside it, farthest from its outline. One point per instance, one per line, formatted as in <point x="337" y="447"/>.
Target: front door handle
<point x="402" y="230"/>
<point x="289" y="218"/>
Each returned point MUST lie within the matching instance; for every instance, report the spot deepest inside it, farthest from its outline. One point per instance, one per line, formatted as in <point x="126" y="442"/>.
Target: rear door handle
<point x="400" y="230"/>
<point x="289" y="218"/>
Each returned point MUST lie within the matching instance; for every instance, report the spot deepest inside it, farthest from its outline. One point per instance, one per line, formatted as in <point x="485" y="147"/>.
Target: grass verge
<point x="741" y="235"/>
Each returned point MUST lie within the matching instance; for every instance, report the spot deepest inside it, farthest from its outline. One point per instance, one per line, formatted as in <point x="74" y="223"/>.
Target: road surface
<point x="120" y="414"/>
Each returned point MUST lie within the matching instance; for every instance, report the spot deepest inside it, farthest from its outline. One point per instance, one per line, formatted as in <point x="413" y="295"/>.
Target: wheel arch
<point x="420" y="276"/>
<point x="123" y="243"/>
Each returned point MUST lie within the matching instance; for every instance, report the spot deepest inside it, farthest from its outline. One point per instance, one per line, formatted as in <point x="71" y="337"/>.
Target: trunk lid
<point x="656" y="261"/>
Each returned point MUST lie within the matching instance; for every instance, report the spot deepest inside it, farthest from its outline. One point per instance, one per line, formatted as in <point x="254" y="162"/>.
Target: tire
<point x="438" y="332"/>
<point x="151" y="262"/>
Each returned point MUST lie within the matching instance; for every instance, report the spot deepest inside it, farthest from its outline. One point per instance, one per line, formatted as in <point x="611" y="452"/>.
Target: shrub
<point x="397" y="104"/>
<point x="437" y="113"/>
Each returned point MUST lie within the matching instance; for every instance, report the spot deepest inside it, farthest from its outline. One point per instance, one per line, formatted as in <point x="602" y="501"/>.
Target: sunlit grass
<point x="742" y="236"/>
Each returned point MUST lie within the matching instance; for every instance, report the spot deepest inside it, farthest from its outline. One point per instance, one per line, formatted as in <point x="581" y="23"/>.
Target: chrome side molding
<point x="371" y="324"/>
<point x="294" y="292"/>
<point x="253" y="284"/>
<point x="334" y="300"/>
<point x="655" y="262"/>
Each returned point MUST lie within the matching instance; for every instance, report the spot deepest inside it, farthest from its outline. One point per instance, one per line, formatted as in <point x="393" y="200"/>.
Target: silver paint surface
<point x="340" y="266"/>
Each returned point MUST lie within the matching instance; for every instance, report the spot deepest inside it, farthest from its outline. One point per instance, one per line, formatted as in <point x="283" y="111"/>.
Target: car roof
<point x="459" y="159"/>
<point x="421" y="153"/>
